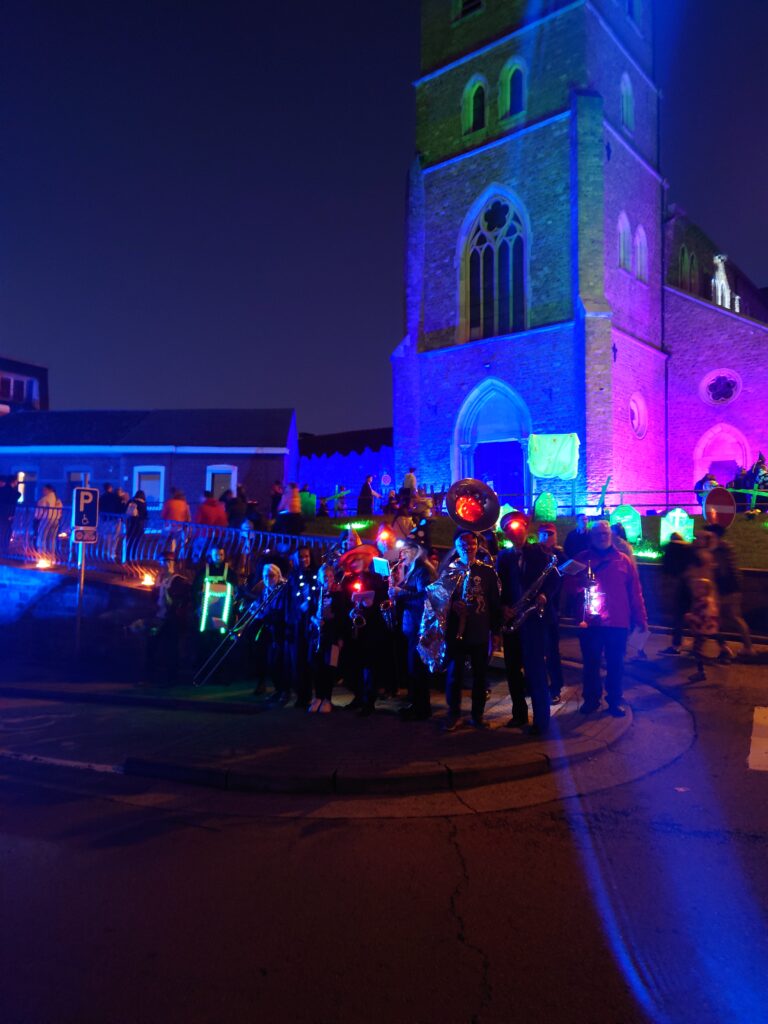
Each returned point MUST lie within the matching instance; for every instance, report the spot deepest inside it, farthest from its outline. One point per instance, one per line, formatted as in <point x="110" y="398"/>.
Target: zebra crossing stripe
<point x="758" y="747"/>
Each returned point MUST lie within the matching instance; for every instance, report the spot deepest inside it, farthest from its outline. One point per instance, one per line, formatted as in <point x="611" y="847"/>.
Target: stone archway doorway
<point x="721" y="451"/>
<point x="491" y="441"/>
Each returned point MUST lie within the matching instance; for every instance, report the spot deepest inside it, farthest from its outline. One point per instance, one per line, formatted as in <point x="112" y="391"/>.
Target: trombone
<point x="232" y="636"/>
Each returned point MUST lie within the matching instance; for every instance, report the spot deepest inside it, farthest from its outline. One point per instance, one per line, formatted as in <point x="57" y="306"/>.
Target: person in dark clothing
<point x="109" y="502"/>
<point x="365" y="498"/>
<point x="475" y="614"/>
<point x="551" y="617"/>
<point x="301" y="601"/>
<point x="525" y="647"/>
<point x="135" y="522"/>
<point x="9" y="497"/>
<point x="330" y="628"/>
<point x="269" y="594"/>
<point x="728" y="583"/>
<point x="168" y="630"/>
<point x="577" y="539"/>
<point x="365" y="663"/>
<point x="408" y="596"/>
<point x="678" y="558"/>
<point x="237" y="508"/>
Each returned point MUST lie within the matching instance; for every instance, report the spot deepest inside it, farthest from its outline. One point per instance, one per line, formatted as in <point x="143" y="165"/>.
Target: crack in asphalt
<point x="461" y="934"/>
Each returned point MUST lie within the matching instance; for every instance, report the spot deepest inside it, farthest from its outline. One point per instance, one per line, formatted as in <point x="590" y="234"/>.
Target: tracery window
<point x="627" y="104"/>
<point x="495" y="272"/>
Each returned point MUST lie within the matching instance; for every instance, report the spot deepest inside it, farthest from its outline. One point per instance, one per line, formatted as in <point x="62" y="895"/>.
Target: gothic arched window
<point x="685" y="268"/>
<point x="512" y="89"/>
<point x="627" y="104"/>
<point x="473" y="105"/>
<point x="693" y="281"/>
<point x="625" y="243"/>
<point x="495" y="272"/>
<point x="641" y="255"/>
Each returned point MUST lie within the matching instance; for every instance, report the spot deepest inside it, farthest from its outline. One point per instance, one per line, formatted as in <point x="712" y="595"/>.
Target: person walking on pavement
<point x="614" y="606"/>
<point x="728" y="584"/>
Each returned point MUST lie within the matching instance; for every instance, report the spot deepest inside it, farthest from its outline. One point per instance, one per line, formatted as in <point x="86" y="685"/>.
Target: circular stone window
<point x="720" y="387"/>
<point x="638" y="414"/>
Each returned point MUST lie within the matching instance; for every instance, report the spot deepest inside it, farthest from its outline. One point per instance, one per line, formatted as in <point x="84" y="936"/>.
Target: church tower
<point x="534" y="264"/>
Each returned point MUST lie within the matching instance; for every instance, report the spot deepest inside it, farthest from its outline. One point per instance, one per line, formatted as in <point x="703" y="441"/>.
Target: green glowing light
<point x="631" y="520"/>
<point x="361" y="524"/>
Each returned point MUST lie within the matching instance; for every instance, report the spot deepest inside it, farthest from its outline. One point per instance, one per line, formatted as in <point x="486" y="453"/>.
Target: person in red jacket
<point x="211" y="511"/>
<point x="614" y="607"/>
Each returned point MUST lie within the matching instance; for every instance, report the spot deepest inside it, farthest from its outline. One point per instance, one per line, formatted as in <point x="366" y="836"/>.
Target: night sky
<point x="202" y="203"/>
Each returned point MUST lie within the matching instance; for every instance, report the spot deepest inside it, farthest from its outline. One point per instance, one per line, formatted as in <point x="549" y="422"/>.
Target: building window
<point x="473" y="105"/>
<point x="641" y="255"/>
<point x="151" y="480"/>
<point x="627" y="105"/>
<point x="220" y="478"/>
<point x="625" y="243"/>
<point x="495" y="272"/>
<point x="464" y="7"/>
<point x="720" y="387"/>
<point x="638" y="415"/>
<point x="75" y="478"/>
<point x="693" y="279"/>
<point x="512" y="90"/>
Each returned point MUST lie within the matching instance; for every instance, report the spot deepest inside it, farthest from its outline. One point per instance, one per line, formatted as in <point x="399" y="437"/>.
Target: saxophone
<point x="527" y="604"/>
<point x="387" y="607"/>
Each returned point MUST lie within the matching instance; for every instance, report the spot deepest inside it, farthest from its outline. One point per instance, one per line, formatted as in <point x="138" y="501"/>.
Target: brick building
<point x="194" y="450"/>
<point x="549" y="291"/>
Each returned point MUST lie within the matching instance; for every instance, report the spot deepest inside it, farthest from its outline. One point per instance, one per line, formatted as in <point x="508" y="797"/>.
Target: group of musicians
<point x="382" y="627"/>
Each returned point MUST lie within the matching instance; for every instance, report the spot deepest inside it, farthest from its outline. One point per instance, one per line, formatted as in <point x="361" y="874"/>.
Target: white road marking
<point x="59" y="762"/>
<point x="758" y="747"/>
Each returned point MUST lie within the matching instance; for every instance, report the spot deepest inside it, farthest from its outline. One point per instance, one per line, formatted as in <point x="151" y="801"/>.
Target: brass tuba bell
<point x="472" y="505"/>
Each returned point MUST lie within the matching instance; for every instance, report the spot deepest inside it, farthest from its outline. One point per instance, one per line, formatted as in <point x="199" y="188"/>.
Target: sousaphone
<point x="472" y="505"/>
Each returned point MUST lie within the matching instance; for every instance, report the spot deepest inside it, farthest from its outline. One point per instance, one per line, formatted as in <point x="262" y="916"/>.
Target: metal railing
<point x="133" y="548"/>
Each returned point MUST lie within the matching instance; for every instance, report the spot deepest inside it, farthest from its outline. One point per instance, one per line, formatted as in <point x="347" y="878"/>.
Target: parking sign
<point x="85" y="508"/>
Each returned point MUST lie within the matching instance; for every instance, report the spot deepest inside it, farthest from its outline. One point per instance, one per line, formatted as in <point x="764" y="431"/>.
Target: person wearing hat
<point x="365" y="662"/>
<point x="409" y="597"/>
<point x="519" y="567"/>
<point x="474" y="615"/>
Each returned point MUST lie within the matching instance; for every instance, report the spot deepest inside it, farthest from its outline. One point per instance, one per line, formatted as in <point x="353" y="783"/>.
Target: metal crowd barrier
<point x="135" y="548"/>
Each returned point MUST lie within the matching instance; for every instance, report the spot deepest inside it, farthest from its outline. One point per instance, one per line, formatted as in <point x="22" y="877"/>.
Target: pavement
<point x="227" y="738"/>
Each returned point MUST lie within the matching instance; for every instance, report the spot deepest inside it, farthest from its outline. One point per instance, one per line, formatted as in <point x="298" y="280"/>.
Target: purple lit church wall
<point x="717" y="389"/>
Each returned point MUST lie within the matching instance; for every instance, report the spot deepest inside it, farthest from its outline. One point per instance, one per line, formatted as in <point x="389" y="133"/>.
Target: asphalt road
<point x="622" y="891"/>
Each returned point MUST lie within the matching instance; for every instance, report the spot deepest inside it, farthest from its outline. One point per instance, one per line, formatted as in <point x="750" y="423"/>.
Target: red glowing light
<point x="469" y="508"/>
<point x="357" y="586"/>
<point x="386" y="536"/>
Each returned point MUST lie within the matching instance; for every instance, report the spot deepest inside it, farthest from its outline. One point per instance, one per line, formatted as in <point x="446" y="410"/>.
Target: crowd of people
<point x="407" y="627"/>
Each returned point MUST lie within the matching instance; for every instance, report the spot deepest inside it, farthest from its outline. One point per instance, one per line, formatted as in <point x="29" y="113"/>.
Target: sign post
<point x="720" y="507"/>
<point x="85" y="521"/>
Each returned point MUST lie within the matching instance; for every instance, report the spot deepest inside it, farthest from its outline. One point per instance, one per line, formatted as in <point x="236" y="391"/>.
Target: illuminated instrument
<point x="473" y="506"/>
<point x="232" y="636"/>
<point x="387" y="607"/>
